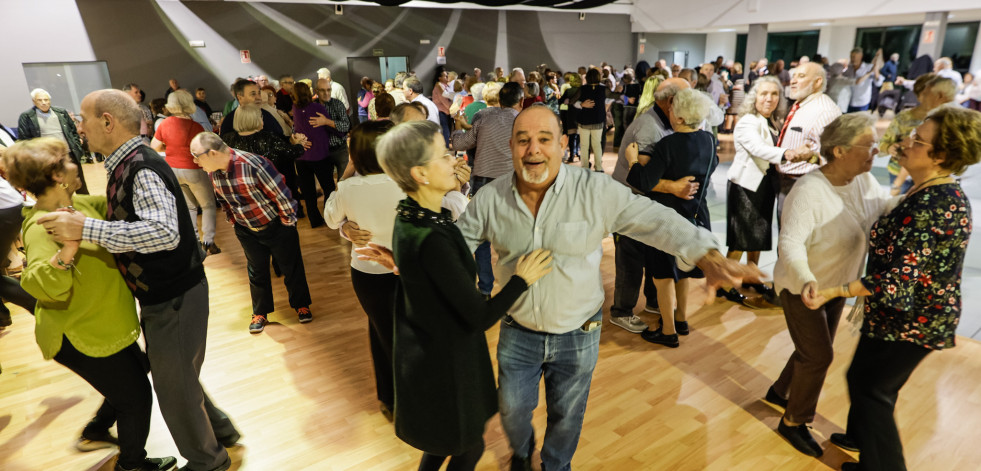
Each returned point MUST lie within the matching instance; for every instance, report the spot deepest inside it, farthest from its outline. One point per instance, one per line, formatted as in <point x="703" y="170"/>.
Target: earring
<point x="425" y="182"/>
<point x="63" y="186"/>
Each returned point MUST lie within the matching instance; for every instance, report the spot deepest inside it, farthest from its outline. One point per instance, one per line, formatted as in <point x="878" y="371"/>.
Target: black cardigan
<point x="444" y="383"/>
<point x="596" y="114"/>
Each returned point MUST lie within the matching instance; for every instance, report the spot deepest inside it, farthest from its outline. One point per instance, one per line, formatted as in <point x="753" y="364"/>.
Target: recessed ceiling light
<point x="727" y="30"/>
<point x="822" y="23"/>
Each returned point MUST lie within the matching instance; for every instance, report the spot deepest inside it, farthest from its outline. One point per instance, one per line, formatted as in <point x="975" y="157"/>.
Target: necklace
<point x="922" y="185"/>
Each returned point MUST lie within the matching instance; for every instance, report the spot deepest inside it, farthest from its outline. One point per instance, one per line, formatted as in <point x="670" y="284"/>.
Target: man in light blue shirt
<point x="553" y="330"/>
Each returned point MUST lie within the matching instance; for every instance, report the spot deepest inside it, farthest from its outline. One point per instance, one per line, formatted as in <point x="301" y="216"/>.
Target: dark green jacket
<point x="444" y="383"/>
<point x="28" y="128"/>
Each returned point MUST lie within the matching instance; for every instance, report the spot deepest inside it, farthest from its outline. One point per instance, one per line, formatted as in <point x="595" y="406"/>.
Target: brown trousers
<point x="813" y="332"/>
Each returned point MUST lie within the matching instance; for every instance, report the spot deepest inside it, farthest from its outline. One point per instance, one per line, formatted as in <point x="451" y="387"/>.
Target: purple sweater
<point x="317" y="136"/>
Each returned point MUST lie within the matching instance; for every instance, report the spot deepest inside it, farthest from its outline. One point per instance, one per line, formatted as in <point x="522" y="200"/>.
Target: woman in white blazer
<point x="751" y="192"/>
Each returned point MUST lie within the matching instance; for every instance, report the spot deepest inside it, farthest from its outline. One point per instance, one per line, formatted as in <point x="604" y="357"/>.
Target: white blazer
<point x="754" y="152"/>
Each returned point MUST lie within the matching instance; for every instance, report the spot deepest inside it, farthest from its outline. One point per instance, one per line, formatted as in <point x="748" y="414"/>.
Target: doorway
<point x="379" y="68"/>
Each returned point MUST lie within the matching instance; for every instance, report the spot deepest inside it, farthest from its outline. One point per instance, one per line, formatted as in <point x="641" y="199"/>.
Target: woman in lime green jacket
<point x="85" y="316"/>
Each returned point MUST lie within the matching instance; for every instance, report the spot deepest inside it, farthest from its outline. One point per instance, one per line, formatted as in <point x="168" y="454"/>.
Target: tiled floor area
<point x="970" y="325"/>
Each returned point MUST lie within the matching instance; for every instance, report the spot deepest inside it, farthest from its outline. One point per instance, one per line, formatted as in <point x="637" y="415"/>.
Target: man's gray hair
<point x="692" y="106"/>
<point x="208" y="140"/>
<point x="667" y="93"/>
<point x="405" y="146"/>
<point x="38" y="92"/>
<point x="944" y="86"/>
<point x="120" y="106"/>
<point x="323" y="73"/>
<point x="748" y="105"/>
<point x="414" y="84"/>
<point x="946" y="62"/>
<point x="843" y="131"/>
<point x="399" y="79"/>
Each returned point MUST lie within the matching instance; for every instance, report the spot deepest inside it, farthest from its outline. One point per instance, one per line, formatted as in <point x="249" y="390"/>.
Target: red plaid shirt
<point x="252" y="192"/>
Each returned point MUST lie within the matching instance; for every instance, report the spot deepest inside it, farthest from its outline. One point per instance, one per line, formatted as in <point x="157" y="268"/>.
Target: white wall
<point x="836" y="42"/>
<point x="656" y="42"/>
<point x="721" y="44"/>
<point x="658" y="15"/>
<point x="63" y="39"/>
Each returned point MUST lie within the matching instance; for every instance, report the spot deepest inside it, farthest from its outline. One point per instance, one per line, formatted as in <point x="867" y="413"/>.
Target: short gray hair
<point x="477" y="90"/>
<point x="209" y="141"/>
<point x="531" y="89"/>
<point x="399" y="79"/>
<point x="414" y="84"/>
<point x="843" y="131"/>
<point x="406" y="146"/>
<point x="692" y="106"/>
<point x="666" y="93"/>
<point x="39" y="91"/>
<point x="247" y="118"/>
<point x="748" y="105"/>
<point x="181" y="103"/>
<point x="120" y="106"/>
<point x="323" y="73"/>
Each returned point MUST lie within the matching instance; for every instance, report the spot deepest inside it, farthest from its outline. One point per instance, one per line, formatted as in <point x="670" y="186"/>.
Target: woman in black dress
<point x="674" y="172"/>
<point x="444" y="384"/>
<point x="569" y="113"/>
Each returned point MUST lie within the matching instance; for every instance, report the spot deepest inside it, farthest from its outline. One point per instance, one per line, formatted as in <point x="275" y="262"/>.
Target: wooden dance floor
<point x="303" y="395"/>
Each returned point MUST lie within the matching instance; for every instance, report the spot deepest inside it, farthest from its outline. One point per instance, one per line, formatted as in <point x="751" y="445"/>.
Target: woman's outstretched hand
<point x="532" y="266"/>
<point x="378" y="254"/>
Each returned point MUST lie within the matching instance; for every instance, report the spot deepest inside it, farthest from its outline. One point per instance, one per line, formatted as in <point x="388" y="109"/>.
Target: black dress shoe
<point x="773" y="398"/>
<point x="520" y="464"/>
<point x="850" y="466"/>
<point x="731" y="294"/>
<point x="843" y="441"/>
<point x="660" y="338"/>
<point x="231" y="440"/>
<point x="800" y="438"/>
<point x="681" y="327"/>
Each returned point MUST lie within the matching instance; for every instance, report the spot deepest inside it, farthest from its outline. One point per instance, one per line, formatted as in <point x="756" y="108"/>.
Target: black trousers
<point x="282" y="243"/>
<point x="323" y="171"/>
<point x="121" y="379"/>
<point x="287" y="168"/>
<point x="10" y="290"/>
<point x="877" y="373"/>
<point x="376" y="293"/>
<point x="630" y="261"/>
<point x="782" y="184"/>
<point x="463" y="462"/>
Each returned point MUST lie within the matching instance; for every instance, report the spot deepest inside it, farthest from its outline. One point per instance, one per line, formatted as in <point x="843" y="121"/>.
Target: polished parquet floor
<point x="303" y="395"/>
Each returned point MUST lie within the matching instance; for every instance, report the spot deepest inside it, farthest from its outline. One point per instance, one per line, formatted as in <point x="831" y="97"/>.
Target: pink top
<point x="176" y="133"/>
<point x="442" y="103"/>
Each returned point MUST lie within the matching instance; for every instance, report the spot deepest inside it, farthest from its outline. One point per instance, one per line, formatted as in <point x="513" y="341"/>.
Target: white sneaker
<point x="631" y="323"/>
<point x="652" y="309"/>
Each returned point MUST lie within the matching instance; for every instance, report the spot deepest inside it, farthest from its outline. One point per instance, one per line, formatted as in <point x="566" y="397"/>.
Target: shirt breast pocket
<point x="568" y="238"/>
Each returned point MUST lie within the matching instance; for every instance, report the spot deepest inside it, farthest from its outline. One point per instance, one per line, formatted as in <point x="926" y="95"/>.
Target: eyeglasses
<point x="194" y="157"/>
<point x="914" y="137"/>
<point x="287" y="82"/>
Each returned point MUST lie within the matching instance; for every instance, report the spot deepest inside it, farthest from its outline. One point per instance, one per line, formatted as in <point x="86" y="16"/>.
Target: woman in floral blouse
<point x="912" y="283"/>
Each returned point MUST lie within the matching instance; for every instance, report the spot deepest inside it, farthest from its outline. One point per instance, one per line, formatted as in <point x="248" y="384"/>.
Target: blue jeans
<point x="852" y="109"/>
<point x="567" y="362"/>
<point x="485" y="270"/>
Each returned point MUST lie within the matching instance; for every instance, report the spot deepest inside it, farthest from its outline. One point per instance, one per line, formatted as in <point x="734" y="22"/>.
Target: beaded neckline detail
<point x="409" y="210"/>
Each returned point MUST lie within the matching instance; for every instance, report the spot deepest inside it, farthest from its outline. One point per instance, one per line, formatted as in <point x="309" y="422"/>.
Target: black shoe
<point x="681" y="327"/>
<point x="386" y="411"/>
<point x="152" y="464"/>
<point x="731" y="294"/>
<point x="800" y="438"/>
<point x="658" y="337"/>
<point x="850" y="466"/>
<point x="210" y="248"/>
<point x="300" y="214"/>
<point x="773" y="398"/>
<point x="843" y="441"/>
<point x="520" y="464"/>
<point x="231" y="440"/>
<point x="316" y="224"/>
<point x="222" y="467"/>
<point x="5" y="319"/>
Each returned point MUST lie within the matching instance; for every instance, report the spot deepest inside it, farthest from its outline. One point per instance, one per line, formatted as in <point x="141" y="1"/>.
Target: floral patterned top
<point x="914" y="271"/>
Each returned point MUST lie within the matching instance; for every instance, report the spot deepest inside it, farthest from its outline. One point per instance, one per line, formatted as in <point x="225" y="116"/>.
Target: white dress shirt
<point x="815" y="112"/>
<point x="430" y="107"/>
